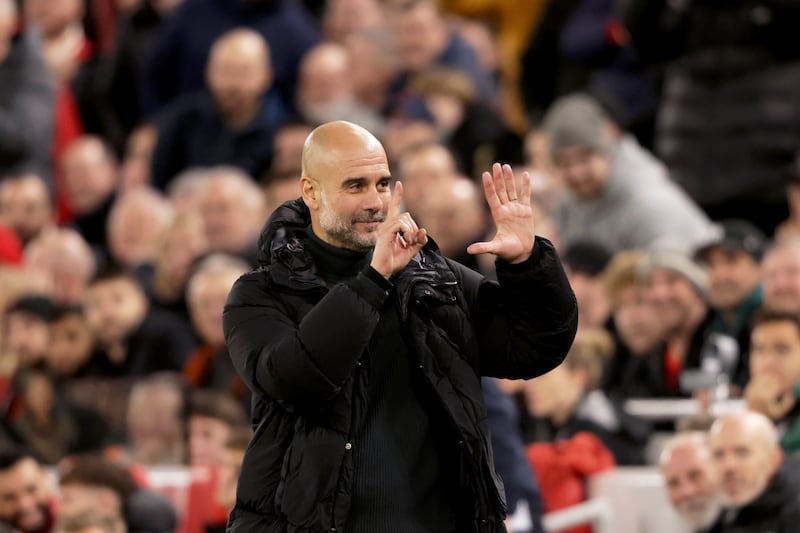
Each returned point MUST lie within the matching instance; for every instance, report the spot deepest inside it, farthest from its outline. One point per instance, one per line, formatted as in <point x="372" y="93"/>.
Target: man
<point x="233" y="123"/>
<point x="781" y="271"/>
<point x="137" y="222"/>
<point x="27" y="98"/>
<point x="759" y="487"/>
<point x="676" y="287"/>
<point x="25" y="205"/>
<point x="774" y="386"/>
<point x="25" y="501"/>
<point x="364" y="348"/>
<point x="213" y="417"/>
<point x="733" y="262"/>
<point x="692" y="482"/>
<point x="617" y="194"/>
<point x="62" y="264"/>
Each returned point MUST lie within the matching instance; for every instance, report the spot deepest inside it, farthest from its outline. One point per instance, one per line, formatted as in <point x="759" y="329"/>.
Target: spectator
<point x="781" y="276"/>
<point x="617" y="194"/>
<point x="233" y="123"/>
<point x="423" y="39"/>
<point x="49" y="424"/>
<point x="774" y="387"/>
<point x="567" y="400"/>
<point x="585" y="262"/>
<point x="759" y="486"/>
<point x="718" y="57"/>
<point x="325" y="89"/>
<point x="237" y="443"/>
<point x="233" y="211"/>
<point x="213" y="417"/>
<point x="177" y="61"/>
<point x="182" y="244"/>
<point x="470" y="127"/>
<point x="27" y="334"/>
<point x="677" y="287"/>
<point x="26" y="502"/>
<point x="26" y="206"/>
<point x="72" y="347"/>
<point x="288" y="147"/>
<point x="27" y="99"/>
<point x="92" y="483"/>
<point x="733" y="261"/>
<point x="135" y="224"/>
<point x="210" y="366"/>
<point x="455" y="212"/>
<point x="344" y="18"/>
<point x="791" y="226"/>
<point x="91" y="176"/>
<point x="156" y="421"/>
<point x="637" y="368"/>
<point x="62" y="263"/>
<point x="423" y="166"/>
<point x="692" y="481"/>
<point x="373" y="67"/>
<point x="136" y="338"/>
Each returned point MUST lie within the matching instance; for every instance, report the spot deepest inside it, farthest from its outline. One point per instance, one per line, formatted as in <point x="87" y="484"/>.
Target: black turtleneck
<point x="399" y="481"/>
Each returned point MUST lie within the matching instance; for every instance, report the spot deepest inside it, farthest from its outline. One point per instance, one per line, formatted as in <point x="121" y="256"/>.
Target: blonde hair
<point x="621" y="274"/>
<point x="590" y="351"/>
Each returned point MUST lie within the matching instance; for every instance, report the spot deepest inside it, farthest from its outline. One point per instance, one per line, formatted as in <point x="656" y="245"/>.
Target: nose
<point x="373" y="200"/>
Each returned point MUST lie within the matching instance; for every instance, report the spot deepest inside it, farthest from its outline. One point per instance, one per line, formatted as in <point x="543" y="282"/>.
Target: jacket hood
<point x="288" y="219"/>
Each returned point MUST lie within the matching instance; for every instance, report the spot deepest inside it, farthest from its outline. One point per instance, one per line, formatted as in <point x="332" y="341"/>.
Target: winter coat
<point x="776" y="510"/>
<point x="300" y="346"/>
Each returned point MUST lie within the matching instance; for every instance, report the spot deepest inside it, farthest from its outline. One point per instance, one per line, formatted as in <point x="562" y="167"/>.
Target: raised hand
<point x="512" y="214"/>
<point x="399" y="238"/>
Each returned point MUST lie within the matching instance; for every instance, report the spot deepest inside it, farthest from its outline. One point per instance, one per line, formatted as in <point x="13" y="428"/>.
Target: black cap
<point x="736" y="235"/>
<point x="586" y="257"/>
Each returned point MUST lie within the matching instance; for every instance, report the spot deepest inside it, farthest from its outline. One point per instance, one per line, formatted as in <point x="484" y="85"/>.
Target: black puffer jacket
<point x="299" y="346"/>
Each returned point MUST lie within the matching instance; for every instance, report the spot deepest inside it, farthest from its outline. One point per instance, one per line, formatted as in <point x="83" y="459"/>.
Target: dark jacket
<point x="299" y="346"/>
<point x="776" y="510"/>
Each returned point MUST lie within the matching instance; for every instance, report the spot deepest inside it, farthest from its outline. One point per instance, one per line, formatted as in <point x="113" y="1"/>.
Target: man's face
<point x="28" y="336"/>
<point x="692" y="485"/>
<point x="114" y="308"/>
<point x="89" y="175"/>
<point x="70" y="343"/>
<point x="746" y="463"/>
<point x="354" y="200"/>
<point x="207" y="438"/>
<point x="782" y="279"/>
<point x="153" y="423"/>
<point x="775" y="352"/>
<point x="53" y="16"/>
<point x="585" y="171"/>
<point x="229" y="225"/>
<point x="207" y="303"/>
<point x="733" y="275"/>
<point x="24" y="496"/>
<point x="591" y="296"/>
<point x="418" y="33"/>
<point x="77" y="498"/>
<point x="238" y="80"/>
<point x="25" y="206"/>
<point x="672" y="296"/>
<point x="636" y="321"/>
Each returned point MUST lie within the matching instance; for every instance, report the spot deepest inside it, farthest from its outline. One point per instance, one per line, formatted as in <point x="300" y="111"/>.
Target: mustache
<point x="369" y="217"/>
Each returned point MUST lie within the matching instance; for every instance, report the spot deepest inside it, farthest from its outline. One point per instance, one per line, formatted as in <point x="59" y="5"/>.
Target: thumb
<point x="481" y="248"/>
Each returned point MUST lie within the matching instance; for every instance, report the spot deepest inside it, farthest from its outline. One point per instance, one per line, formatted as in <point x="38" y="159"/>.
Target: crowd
<point x="144" y="143"/>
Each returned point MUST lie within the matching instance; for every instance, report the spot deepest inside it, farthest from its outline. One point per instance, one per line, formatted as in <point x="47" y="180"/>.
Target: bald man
<point x="363" y="347"/>
<point x="232" y="123"/>
<point x="760" y="487"/>
<point x="692" y="481"/>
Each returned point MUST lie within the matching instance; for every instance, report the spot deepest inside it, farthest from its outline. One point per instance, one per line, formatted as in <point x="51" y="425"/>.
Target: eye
<point x="354" y="186"/>
<point x="383" y="185"/>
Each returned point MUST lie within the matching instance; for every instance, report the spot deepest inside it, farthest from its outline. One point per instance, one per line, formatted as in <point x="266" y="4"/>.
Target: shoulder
<point x="251" y="288"/>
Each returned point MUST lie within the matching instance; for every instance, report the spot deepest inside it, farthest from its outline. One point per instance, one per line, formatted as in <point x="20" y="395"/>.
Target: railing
<point x="596" y="512"/>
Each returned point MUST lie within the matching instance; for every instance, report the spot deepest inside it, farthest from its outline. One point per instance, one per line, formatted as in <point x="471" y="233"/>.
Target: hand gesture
<point x="399" y="238"/>
<point x="512" y="214"/>
<point x="764" y="394"/>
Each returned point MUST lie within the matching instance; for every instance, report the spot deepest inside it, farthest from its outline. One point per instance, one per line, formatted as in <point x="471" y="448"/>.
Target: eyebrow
<point x="361" y="180"/>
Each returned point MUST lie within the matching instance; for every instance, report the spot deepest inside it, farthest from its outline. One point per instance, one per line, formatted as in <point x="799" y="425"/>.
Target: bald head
<point x="332" y="143"/>
<point x="239" y="72"/>
<point x="747" y="455"/>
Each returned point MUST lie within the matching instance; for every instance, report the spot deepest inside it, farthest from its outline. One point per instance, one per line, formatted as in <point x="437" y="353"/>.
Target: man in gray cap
<point x="617" y="194"/>
<point x="733" y="260"/>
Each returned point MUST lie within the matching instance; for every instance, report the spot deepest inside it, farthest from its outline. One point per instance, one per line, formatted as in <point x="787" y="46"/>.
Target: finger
<point x="526" y="188"/>
<point x="412" y="225"/>
<point x="499" y="183"/>
<point x="396" y="200"/>
<point x="508" y="183"/>
<point x="491" y="193"/>
<point x="482" y="248"/>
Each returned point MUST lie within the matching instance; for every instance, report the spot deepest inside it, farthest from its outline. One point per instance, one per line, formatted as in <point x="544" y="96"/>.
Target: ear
<point x="309" y="189"/>
<point x="776" y="459"/>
